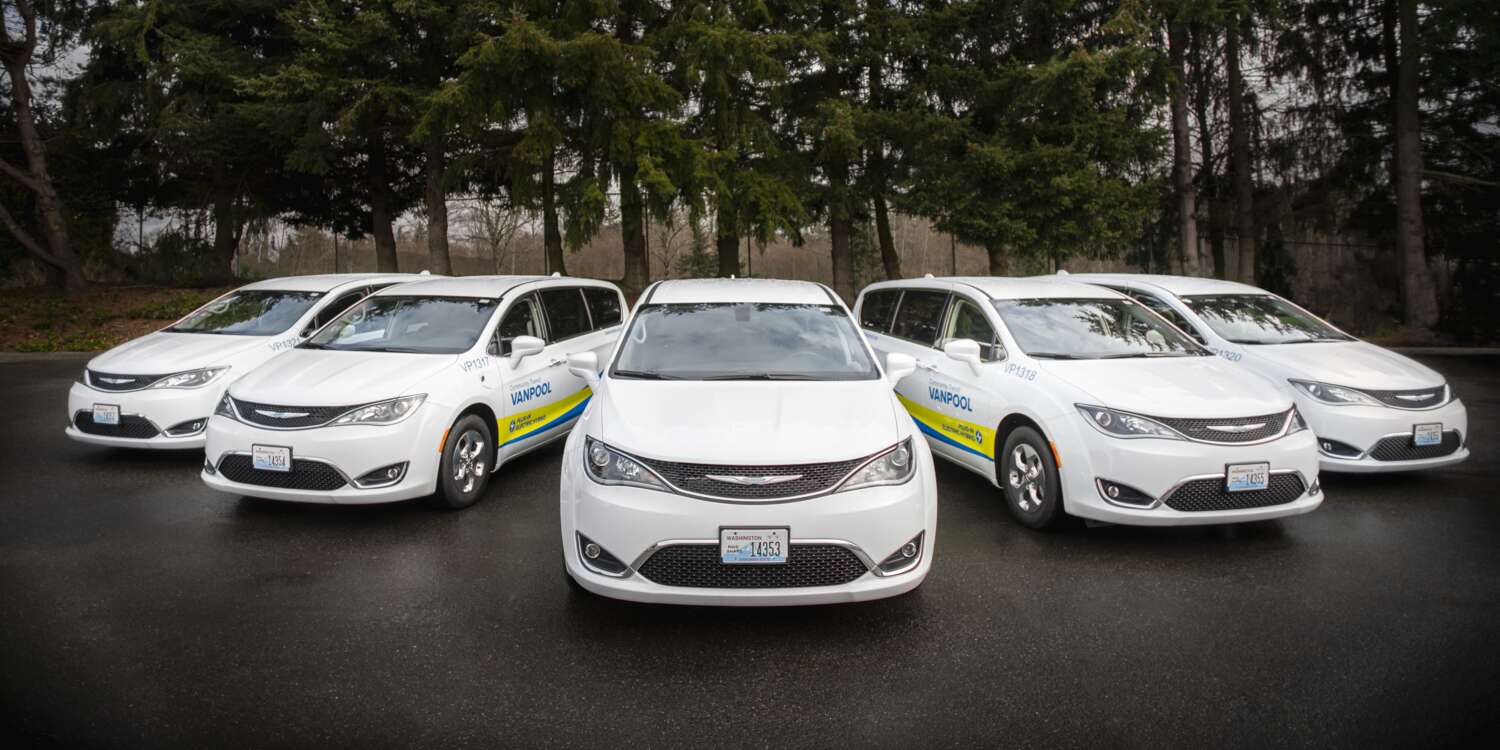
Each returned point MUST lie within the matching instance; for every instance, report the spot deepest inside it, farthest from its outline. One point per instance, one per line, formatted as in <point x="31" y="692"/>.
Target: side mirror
<point x="522" y="347"/>
<point x="964" y="350"/>
<point x="585" y="365"/>
<point x="308" y="331"/>
<point x="898" y="366"/>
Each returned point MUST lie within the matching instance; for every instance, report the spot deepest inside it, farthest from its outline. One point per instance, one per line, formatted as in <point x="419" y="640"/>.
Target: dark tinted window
<point x="566" y="315"/>
<point x="919" y="315"/>
<point x="604" y="306"/>
<point x="875" y="311"/>
<point x="337" y="306"/>
<point x="968" y="322"/>
<point x="520" y="320"/>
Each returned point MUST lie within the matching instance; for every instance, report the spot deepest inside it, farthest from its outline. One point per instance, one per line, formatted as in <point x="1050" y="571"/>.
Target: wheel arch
<point x="484" y="412"/>
<point x="1011" y="422"/>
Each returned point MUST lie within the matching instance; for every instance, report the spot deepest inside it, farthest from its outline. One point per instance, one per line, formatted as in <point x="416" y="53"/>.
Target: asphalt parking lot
<point x="138" y="608"/>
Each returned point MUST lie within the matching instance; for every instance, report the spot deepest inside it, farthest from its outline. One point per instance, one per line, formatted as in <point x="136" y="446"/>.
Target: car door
<point x="542" y="397"/>
<point x="526" y="383"/>
<point x="915" y="328"/>
<point x="969" y="399"/>
<point x="606" y="314"/>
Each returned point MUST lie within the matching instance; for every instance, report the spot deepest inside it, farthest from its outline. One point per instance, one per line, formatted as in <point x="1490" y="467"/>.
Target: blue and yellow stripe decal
<point x="529" y="424"/>
<point x="966" y="436"/>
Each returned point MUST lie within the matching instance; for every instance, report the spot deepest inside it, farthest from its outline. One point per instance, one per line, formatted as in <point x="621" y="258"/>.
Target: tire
<point x="464" y="470"/>
<point x="1028" y="476"/>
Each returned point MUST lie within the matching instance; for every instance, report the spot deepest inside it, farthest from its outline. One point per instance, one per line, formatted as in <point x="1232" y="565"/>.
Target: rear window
<point x="566" y="316"/>
<point x="604" y="305"/>
<point x="875" y="311"/>
<point x="919" y="315"/>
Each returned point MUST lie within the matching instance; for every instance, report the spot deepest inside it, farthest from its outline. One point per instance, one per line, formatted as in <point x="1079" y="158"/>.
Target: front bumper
<point x="1362" y="428"/>
<point x="351" y="451"/>
<point x="631" y="524"/>
<point x="163" y="408"/>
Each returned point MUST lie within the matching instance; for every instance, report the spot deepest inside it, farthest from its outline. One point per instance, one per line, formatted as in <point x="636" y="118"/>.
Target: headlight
<point x="895" y="466"/>
<point x="609" y="466"/>
<point x="384" y="412"/>
<point x="225" y="408"/>
<point x="190" y="378"/>
<point x="1333" y="394"/>
<point x="1124" y="424"/>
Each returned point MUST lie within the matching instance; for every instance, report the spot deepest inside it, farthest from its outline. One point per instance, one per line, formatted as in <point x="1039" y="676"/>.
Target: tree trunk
<point x="727" y="241"/>
<point x="1203" y="63"/>
<point x="999" y="260"/>
<point x="380" y="207"/>
<point x="1239" y="155"/>
<point x="840" y="231"/>
<point x="55" y="252"/>
<point x="436" y="200"/>
<point x="1418" y="293"/>
<point x="551" y="235"/>
<point x="229" y="223"/>
<point x="888" y="255"/>
<point x="633" y="232"/>
<point x="1182" y="154"/>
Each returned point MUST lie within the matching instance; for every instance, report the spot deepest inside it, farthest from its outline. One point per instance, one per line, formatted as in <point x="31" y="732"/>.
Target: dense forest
<point x="1190" y="136"/>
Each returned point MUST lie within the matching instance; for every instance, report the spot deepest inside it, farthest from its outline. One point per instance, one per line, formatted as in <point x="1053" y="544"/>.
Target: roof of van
<point x="484" y="286"/>
<point x="776" y="291"/>
<point x="1178" y="285"/>
<point x="326" y="282"/>
<point x="1007" y="287"/>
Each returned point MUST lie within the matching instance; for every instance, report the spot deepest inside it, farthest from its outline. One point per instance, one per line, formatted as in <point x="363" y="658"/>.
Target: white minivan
<point x="158" y="391"/>
<point x="1076" y="399"/>
<point x="422" y="390"/>
<point x="744" y="447"/>
<point x="1372" y="409"/>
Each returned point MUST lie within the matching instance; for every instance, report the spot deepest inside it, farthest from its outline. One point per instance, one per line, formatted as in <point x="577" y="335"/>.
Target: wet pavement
<point x="139" y="608"/>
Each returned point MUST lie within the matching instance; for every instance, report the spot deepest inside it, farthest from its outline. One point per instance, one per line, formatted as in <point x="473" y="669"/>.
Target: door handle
<point x="557" y="361"/>
<point x="927" y="366"/>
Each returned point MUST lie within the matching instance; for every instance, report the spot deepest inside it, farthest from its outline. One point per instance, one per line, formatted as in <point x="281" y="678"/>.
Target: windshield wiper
<point x="760" y="376"/>
<point x="396" y="350"/>
<point x="311" y="345"/>
<point x="1054" y="355"/>
<point x="642" y="375"/>
<point x="1132" y="355"/>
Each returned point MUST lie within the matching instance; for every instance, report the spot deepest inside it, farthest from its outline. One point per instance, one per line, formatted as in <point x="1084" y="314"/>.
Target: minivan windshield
<point x="1260" y="319"/>
<point x="406" y="324"/>
<point x="248" y="313"/>
<point x="743" y="341"/>
<point x="1092" y="329"/>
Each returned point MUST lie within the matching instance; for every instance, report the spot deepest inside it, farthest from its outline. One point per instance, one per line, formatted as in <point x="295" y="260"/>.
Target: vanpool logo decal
<point x="944" y="396"/>
<point x="530" y="392"/>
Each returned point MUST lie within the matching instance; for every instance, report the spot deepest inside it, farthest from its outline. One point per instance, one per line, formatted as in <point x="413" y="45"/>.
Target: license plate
<point x="271" y="457"/>
<point x="1430" y="433"/>
<point x="1247" y="477"/>
<point x="753" y="546"/>
<point x="106" y="414"/>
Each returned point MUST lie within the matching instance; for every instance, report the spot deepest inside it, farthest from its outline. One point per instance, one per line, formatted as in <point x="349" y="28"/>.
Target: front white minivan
<point x="1075" y="399"/>
<point x="744" y="447"/>
<point x="422" y="390"/>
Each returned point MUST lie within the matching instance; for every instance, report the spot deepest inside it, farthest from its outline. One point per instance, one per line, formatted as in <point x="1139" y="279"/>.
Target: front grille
<point x="308" y="416"/>
<point x="811" y="478"/>
<point x="1200" y="495"/>
<point x="1401" y="448"/>
<point x="1260" y="428"/>
<point x="1416" y="398"/>
<point x="305" y="474"/>
<point x="108" y="381"/>
<point x="130" y="426"/>
<point x="698" y="566"/>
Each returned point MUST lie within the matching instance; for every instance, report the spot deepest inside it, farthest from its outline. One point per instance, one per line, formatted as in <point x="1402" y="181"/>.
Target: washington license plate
<point x="753" y="546"/>
<point x="271" y="457"/>
<point x="1247" y="477"/>
<point x="106" y="414"/>
<point x="1430" y="433"/>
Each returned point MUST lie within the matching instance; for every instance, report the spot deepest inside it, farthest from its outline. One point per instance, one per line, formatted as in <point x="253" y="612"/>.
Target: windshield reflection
<point x="1104" y="328"/>
<point x="743" y="341"/>
<point x="1260" y="319"/>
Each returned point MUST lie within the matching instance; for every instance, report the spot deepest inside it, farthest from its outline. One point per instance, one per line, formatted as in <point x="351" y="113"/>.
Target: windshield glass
<point x="1091" y="329"/>
<point x="1260" y="319"/>
<point x="743" y="341"/>
<point x="413" y="325"/>
<point x="252" y="313"/>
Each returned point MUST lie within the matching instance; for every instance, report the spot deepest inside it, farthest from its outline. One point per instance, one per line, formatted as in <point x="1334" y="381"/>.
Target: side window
<point x="968" y="322"/>
<point x="919" y="315"/>
<point x="566" y="315"/>
<point x="337" y="306"/>
<point x="1164" y="310"/>
<point x="521" y="319"/>
<point x="875" y="313"/>
<point x="604" y="306"/>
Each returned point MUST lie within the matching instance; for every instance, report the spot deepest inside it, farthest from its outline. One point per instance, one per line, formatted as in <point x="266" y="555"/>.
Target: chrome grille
<point x="1230" y="429"/>
<point x="806" y="479"/>
<point x="1401" y="448"/>
<point x="1417" y="398"/>
<point x="306" y="416"/>
<point x="1208" y="494"/>
<point x="305" y="474"/>
<point x="698" y="566"/>
<point x="108" y="381"/>
<point x="130" y="426"/>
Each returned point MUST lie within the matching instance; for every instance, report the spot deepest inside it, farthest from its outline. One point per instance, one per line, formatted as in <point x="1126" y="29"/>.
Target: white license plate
<point x="1430" y="433"/>
<point x="1247" y="477"/>
<point x="271" y="457"/>
<point x="106" y="414"/>
<point x="753" y="546"/>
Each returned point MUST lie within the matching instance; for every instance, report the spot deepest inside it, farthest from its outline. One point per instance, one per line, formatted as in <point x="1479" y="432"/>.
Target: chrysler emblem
<point x="1236" y="428"/>
<point x="752" y="481"/>
<point x="1415" y="396"/>
<point x="281" y="414"/>
<point x="116" y="381"/>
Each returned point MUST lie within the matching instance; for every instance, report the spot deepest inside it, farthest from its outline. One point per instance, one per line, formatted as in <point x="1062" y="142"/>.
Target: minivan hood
<point x="1192" y="387"/>
<point x="163" y="353"/>
<point x="748" y="422"/>
<point x="1355" y="364"/>
<point x="319" y="377"/>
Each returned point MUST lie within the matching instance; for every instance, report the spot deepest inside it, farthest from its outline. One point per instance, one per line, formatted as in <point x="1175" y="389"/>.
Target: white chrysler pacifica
<point x="1076" y="399"/>
<point x="1372" y="409"/>
<point x="421" y="390"/>
<point x="158" y="391"/>
<point x="745" y="448"/>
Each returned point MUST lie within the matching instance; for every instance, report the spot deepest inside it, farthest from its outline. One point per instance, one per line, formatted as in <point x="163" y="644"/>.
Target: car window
<point x="407" y="325"/>
<point x="604" y="306"/>
<point x="1163" y="309"/>
<point x="968" y="322"/>
<point x="520" y="320"/>
<point x="248" y="313"/>
<point x="919" y="315"/>
<point x="875" y="312"/>
<point x="566" y="315"/>
<point x="1260" y="319"/>
<point x="337" y="306"/>
<point x="1092" y="328"/>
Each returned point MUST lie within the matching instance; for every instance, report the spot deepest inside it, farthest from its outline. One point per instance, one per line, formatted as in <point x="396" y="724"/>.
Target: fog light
<point x="591" y="551"/>
<point x="384" y="476"/>
<point x="1123" y="494"/>
<point x="1337" y="449"/>
<point x="909" y="550"/>
<point x="209" y="468"/>
<point x="903" y="559"/>
<point x="599" y="560"/>
<point x="190" y="427"/>
<point x="1316" y="489"/>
